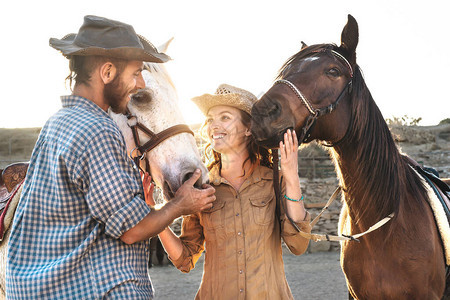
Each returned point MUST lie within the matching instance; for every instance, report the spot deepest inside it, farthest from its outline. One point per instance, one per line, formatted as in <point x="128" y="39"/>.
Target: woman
<point x="241" y="234"/>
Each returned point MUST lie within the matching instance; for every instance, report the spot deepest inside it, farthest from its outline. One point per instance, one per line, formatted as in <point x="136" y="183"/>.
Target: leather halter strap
<point x="155" y="138"/>
<point x="315" y="113"/>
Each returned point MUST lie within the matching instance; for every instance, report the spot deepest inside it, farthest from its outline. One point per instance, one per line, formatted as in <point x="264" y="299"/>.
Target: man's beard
<point x="116" y="95"/>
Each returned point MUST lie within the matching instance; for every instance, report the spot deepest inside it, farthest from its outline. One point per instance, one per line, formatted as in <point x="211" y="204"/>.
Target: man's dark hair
<point x="81" y="67"/>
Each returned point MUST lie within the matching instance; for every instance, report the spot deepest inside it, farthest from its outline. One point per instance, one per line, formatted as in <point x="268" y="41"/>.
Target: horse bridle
<point x="155" y="138"/>
<point x="315" y="113"/>
<point x="305" y="134"/>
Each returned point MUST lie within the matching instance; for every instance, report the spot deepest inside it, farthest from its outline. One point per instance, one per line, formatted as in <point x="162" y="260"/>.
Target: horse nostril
<point x="273" y="109"/>
<point x="168" y="189"/>
<point x="197" y="184"/>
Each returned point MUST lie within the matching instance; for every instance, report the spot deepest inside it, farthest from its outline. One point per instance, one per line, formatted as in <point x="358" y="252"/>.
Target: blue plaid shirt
<point x="80" y="195"/>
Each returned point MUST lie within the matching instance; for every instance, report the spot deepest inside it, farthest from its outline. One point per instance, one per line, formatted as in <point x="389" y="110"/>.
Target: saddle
<point x="440" y="187"/>
<point x="11" y="180"/>
<point x="439" y="200"/>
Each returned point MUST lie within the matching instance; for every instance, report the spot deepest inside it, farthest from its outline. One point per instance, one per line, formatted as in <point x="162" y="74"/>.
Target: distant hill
<point x="16" y="144"/>
<point x="429" y="145"/>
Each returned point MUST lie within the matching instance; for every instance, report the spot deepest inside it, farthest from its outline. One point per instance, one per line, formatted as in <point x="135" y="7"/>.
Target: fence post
<point x="9" y="149"/>
<point x="314" y="167"/>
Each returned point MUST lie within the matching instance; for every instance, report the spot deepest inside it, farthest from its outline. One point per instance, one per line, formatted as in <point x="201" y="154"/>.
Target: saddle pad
<point x="440" y="217"/>
<point x="7" y="214"/>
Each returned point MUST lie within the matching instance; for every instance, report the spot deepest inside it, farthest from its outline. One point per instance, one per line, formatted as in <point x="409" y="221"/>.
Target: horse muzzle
<point x="272" y="141"/>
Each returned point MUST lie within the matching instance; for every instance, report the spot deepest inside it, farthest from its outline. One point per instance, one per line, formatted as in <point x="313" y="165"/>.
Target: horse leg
<point x="151" y="251"/>
<point x="160" y="253"/>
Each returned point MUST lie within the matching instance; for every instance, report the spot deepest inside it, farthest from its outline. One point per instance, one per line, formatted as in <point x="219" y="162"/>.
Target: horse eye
<point x="143" y="96"/>
<point x="334" y="72"/>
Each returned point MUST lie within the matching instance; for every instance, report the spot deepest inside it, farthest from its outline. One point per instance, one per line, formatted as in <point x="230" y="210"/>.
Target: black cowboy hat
<point x="105" y="37"/>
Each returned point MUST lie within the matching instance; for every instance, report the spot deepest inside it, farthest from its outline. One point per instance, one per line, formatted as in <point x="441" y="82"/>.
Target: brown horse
<point x="321" y="93"/>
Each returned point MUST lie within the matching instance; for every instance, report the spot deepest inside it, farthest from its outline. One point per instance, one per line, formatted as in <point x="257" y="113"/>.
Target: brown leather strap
<point x="276" y="185"/>
<point x="156" y="139"/>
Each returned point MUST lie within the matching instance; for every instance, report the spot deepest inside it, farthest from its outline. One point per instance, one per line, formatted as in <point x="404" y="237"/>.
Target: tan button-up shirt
<point x="241" y="235"/>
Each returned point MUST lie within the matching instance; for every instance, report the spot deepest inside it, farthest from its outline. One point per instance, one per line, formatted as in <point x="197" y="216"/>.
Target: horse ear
<point x="163" y="48"/>
<point x="350" y="35"/>
<point x="304" y="45"/>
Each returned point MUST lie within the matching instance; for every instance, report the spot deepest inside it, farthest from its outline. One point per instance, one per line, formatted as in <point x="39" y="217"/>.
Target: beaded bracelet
<point x="295" y="200"/>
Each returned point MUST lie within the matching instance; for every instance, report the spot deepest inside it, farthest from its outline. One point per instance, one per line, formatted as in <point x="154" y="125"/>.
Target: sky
<point x="403" y="49"/>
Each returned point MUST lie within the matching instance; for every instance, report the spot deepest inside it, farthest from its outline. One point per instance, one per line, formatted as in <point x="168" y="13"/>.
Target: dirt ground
<point x="310" y="276"/>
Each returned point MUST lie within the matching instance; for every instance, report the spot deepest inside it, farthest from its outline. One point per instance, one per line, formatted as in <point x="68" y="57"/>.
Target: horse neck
<point x="367" y="184"/>
<point x="369" y="165"/>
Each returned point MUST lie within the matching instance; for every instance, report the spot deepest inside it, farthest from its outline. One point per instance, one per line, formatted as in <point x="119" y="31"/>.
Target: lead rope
<point x="313" y="236"/>
<point x="276" y="185"/>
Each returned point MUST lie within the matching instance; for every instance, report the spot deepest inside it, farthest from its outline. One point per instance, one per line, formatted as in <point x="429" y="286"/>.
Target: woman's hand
<point x="289" y="167"/>
<point x="289" y="156"/>
<point x="148" y="188"/>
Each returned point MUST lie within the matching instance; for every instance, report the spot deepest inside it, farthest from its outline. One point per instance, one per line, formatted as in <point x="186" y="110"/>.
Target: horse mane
<point x="384" y="175"/>
<point x="301" y="55"/>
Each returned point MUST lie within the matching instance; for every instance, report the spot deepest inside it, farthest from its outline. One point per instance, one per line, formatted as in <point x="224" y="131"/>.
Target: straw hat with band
<point x="226" y="95"/>
<point x="105" y="37"/>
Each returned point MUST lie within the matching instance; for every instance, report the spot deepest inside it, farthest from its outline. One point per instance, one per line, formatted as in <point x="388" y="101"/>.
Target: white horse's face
<point x="176" y="158"/>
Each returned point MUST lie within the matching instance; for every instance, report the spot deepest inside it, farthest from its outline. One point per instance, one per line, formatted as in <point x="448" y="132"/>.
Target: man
<point x="82" y="226"/>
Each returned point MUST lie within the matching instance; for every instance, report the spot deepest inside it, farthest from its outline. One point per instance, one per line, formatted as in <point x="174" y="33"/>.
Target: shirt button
<point x="241" y="290"/>
<point x="239" y="233"/>
<point x="240" y="271"/>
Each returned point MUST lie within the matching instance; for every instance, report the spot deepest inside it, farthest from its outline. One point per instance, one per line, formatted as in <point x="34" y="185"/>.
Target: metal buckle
<point x="142" y="155"/>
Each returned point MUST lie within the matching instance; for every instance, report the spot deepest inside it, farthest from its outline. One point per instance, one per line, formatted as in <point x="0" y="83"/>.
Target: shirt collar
<point x="73" y="100"/>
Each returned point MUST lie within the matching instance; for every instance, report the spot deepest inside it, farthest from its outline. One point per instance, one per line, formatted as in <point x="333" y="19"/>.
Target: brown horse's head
<point x="310" y="85"/>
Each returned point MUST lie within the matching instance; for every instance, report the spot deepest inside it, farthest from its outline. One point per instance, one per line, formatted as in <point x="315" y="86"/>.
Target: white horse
<point x="156" y="107"/>
<point x="173" y="160"/>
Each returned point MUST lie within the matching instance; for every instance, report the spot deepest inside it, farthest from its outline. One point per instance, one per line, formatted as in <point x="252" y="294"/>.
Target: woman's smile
<point x="218" y="136"/>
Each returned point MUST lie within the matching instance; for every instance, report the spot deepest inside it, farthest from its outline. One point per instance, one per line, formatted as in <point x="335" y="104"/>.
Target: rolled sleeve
<point x="184" y="263"/>
<point x="295" y="242"/>
<point x="127" y="217"/>
<point x="192" y="239"/>
<point x="289" y="229"/>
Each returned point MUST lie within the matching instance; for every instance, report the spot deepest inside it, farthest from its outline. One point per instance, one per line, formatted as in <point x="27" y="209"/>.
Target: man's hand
<point x="189" y="200"/>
